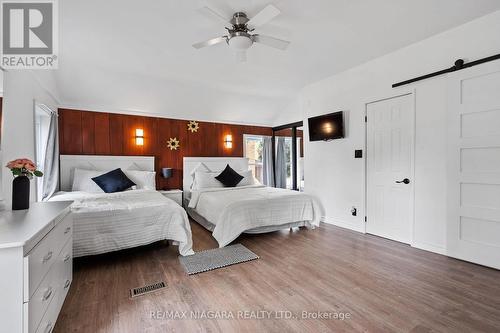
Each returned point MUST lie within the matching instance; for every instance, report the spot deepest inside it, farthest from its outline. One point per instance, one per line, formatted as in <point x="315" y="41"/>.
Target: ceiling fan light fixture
<point x="240" y="43"/>
<point x="240" y="36"/>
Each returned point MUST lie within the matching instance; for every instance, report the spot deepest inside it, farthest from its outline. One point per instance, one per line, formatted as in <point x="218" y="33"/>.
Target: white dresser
<point x="36" y="266"/>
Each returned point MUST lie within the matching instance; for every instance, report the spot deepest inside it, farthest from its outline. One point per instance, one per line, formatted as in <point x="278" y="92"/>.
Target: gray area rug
<point x="216" y="258"/>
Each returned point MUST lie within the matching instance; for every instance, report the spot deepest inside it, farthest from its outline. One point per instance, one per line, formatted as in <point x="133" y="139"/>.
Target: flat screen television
<point x="327" y="127"/>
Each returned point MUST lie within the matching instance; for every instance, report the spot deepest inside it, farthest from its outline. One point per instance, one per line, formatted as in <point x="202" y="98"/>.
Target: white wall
<point x="332" y="173"/>
<point x="21" y="89"/>
<point x="1" y="83"/>
<point x="1" y="126"/>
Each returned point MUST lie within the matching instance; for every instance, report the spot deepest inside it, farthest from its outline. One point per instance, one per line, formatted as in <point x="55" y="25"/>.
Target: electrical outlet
<point x="354" y="211"/>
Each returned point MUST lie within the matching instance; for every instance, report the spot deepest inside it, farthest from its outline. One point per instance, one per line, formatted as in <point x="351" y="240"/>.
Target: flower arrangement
<point x="24" y="167"/>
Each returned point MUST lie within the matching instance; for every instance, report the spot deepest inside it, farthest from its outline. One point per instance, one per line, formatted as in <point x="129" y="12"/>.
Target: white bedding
<point x="105" y="222"/>
<point x="237" y="209"/>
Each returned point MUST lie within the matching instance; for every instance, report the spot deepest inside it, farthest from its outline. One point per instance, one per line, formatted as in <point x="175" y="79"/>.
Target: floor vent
<point x="147" y="289"/>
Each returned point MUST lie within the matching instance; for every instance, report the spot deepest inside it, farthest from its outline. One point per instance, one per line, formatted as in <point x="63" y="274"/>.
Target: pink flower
<point x="21" y="163"/>
<point x="30" y="167"/>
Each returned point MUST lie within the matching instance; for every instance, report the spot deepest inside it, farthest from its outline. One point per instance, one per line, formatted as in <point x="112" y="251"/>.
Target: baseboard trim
<point x="429" y="247"/>
<point x="351" y="226"/>
<point x="343" y="224"/>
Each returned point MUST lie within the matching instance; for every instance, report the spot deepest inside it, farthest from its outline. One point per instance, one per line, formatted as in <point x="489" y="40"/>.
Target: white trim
<point x="430" y="248"/>
<point x="343" y="224"/>
<point x="154" y="115"/>
<point x="413" y="158"/>
<point x="245" y="136"/>
<point x="47" y="109"/>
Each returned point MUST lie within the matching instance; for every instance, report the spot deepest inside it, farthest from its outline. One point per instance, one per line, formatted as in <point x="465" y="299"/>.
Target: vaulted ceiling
<point x="129" y="55"/>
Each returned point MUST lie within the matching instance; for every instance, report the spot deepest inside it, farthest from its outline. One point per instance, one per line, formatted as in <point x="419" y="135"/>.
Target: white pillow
<point x="204" y="180"/>
<point x="82" y="180"/>
<point x="144" y="180"/>
<point x="248" y="178"/>
<point x="201" y="167"/>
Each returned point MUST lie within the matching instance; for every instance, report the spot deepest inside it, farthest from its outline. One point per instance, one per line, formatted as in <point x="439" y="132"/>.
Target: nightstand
<point x="175" y="195"/>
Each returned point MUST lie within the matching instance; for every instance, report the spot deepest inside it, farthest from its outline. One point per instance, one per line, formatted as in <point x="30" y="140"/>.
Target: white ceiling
<point x="124" y="55"/>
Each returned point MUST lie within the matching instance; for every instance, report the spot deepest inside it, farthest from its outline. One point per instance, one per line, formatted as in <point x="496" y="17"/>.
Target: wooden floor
<point x="383" y="286"/>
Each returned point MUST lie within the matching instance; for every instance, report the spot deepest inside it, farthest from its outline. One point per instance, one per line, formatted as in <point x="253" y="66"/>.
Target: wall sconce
<point x="228" y="141"/>
<point x="139" y="137"/>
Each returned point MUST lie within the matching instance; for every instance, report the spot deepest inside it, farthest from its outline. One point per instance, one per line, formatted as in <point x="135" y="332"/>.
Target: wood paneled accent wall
<point x="97" y="133"/>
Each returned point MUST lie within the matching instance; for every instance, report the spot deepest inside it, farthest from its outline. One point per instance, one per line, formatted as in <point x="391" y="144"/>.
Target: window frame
<point x="249" y="136"/>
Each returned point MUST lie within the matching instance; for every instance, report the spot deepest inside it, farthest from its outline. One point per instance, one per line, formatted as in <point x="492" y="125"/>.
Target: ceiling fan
<point x="239" y="36"/>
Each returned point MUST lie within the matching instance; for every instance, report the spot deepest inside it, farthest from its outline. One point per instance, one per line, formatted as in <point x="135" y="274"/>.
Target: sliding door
<point x="286" y="165"/>
<point x="473" y="229"/>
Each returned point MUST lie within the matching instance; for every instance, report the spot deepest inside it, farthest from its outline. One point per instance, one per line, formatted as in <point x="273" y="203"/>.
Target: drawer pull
<point x="47" y="257"/>
<point x="68" y="229"/>
<point x="47" y="294"/>
<point x="48" y="328"/>
<point x="68" y="257"/>
<point x="66" y="285"/>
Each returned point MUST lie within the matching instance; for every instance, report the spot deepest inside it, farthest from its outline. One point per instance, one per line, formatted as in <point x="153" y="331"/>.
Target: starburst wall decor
<point x="173" y="144"/>
<point x="193" y="126"/>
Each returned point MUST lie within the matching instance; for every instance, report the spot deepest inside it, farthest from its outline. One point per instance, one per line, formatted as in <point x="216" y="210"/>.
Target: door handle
<point x="48" y="328"/>
<point x="47" y="294"/>
<point x="47" y="257"/>
<point x="404" y="181"/>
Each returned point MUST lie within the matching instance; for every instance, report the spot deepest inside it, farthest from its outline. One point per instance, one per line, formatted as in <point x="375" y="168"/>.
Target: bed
<point x="106" y="222"/>
<point x="249" y="208"/>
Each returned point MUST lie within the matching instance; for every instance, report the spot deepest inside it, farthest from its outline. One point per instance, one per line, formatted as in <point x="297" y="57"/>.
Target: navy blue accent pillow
<point x="113" y="181"/>
<point x="229" y="177"/>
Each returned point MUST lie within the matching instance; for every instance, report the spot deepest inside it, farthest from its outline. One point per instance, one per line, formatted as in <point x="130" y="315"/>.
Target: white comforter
<point x="237" y="209"/>
<point x="108" y="222"/>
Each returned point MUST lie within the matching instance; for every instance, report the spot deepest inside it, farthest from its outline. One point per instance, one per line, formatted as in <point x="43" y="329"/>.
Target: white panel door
<point x="473" y="228"/>
<point x="390" y="149"/>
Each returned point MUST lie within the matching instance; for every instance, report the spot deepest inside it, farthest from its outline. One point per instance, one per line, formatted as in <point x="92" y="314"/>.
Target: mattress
<point x="233" y="211"/>
<point x="105" y="222"/>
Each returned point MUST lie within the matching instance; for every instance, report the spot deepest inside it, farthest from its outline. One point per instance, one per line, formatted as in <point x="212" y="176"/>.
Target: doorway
<point x="390" y="133"/>
<point x="289" y="156"/>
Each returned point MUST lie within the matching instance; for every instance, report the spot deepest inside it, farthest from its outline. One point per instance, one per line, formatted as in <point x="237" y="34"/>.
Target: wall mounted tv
<point x="327" y="127"/>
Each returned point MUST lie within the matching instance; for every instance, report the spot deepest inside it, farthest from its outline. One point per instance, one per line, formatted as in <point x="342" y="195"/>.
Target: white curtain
<point x="267" y="162"/>
<point x="280" y="163"/>
<point x="50" y="177"/>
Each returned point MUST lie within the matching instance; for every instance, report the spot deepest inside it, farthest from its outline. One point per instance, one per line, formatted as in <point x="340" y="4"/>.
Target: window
<point x="252" y="149"/>
<point x="42" y="123"/>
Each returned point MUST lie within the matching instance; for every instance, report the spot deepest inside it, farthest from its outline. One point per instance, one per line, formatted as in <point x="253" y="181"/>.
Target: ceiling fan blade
<point x="212" y="14"/>
<point x="241" y="56"/>
<point x="271" y="41"/>
<point x="264" y="16"/>
<point x="209" y="42"/>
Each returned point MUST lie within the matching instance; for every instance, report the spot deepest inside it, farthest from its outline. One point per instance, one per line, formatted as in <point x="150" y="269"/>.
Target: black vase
<point x="20" y="193"/>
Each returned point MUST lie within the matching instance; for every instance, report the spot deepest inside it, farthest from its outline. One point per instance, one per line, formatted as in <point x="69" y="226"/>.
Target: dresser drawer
<point x="46" y="294"/>
<point x="41" y="258"/>
<point x="64" y="271"/>
<point x="49" y="318"/>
